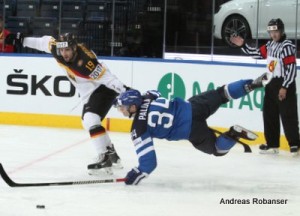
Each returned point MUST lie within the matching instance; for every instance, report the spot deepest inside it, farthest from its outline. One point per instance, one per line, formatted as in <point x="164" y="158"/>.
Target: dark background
<point x="138" y="25"/>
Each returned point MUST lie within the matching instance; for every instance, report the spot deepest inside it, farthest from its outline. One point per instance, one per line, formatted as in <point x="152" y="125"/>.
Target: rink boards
<point x="35" y="90"/>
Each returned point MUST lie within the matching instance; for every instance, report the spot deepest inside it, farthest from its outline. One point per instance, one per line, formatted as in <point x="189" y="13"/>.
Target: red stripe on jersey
<point x="99" y="133"/>
<point x="289" y="60"/>
<point x="263" y="51"/>
<point x="79" y="74"/>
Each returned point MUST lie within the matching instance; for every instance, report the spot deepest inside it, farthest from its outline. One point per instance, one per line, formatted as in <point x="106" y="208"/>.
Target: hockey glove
<point x="152" y="94"/>
<point x="135" y="176"/>
<point x="127" y="87"/>
<point x="15" y="39"/>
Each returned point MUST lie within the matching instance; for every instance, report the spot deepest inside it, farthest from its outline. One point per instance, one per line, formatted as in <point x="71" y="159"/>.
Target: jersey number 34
<point x="156" y="118"/>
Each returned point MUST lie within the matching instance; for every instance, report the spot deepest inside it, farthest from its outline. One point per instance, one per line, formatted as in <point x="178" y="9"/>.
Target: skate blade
<point x="270" y="152"/>
<point x="295" y="154"/>
<point x="267" y="78"/>
<point x="118" y="165"/>
<point x="102" y="171"/>
<point x="250" y="135"/>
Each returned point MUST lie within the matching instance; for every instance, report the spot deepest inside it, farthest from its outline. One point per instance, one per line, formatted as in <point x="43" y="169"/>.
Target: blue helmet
<point x="130" y="97"/>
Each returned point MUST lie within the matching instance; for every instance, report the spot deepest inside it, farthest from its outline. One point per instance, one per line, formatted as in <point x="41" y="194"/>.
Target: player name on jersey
<point x="144" y="109"/>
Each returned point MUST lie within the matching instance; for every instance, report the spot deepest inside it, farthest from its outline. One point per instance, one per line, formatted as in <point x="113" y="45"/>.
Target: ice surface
<point x="186" y="181"/>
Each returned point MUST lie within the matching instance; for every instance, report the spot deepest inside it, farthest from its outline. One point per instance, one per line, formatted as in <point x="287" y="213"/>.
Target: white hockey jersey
<point x="85" y="72"/>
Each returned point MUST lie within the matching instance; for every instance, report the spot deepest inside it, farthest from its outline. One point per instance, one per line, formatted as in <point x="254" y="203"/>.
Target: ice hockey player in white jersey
<point x="157" y="117"/>
<point x="96" y="85"/>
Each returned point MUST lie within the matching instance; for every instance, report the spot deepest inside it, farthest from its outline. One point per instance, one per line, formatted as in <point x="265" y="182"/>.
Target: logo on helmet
<point x="62" y="45"/>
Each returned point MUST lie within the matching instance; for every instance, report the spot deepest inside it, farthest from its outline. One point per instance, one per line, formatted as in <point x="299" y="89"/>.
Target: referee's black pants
<point x="286" y="110"/>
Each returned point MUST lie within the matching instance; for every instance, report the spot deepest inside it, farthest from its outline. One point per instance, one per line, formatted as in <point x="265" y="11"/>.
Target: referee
<point x="280" y="100"/>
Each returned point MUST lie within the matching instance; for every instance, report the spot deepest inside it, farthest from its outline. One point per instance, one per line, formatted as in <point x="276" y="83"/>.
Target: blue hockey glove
<point x="135" y="176"/>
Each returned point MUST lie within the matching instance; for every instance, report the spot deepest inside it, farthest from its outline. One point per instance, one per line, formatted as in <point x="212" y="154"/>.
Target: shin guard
<point x="99" y="139"/>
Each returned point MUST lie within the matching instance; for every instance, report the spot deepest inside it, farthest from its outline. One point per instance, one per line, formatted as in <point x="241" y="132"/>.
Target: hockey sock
<point x="236" y="89"/>
<point x="224" y="144"/>
<point x="99" y="139"/>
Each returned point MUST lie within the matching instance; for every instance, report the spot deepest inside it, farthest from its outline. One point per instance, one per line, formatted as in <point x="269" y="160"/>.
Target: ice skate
<point x="259" y="82"/>
<point x="114" y="157"/>
<point x="294" y="151"/>
<point x="103" y="165"/>
<point x="265" y="149"/>
<point x="237" y="132"/>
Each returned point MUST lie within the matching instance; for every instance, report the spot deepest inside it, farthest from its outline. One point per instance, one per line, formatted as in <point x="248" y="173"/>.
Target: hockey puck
<point x="40" y="206"/>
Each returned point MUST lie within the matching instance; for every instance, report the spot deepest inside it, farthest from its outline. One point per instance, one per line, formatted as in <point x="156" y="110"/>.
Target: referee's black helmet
<point x="276" y="24"/>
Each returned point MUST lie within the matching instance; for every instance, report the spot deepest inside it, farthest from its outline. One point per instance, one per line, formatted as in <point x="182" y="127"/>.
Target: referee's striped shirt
<point x="284" y="51"/>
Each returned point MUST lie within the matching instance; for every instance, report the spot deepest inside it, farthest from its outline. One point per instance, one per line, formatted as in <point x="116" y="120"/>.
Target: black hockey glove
<point x="152" y="94"/>
<point x="127" y="87"/>
<point x="15" y="39"/>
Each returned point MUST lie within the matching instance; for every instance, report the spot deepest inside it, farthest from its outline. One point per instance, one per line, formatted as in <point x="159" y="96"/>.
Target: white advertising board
<point x="39" y="85"/>
<point x="36" y="84"/>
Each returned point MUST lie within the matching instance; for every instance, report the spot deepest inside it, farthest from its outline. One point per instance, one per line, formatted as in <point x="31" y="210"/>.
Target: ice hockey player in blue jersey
<point x="157" y="117"/>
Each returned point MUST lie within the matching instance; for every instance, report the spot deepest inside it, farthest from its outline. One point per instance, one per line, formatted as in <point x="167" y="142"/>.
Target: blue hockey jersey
<point x="159" y="118"/>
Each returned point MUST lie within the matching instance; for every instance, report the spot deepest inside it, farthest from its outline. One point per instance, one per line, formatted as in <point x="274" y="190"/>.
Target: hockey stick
<point x="247" y="148"/>
<point x="11" y="183"/>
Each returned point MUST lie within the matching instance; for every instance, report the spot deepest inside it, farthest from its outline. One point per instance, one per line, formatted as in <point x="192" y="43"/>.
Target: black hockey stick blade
<point x="11" y="183"/>
<point x="247" y="148"/>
